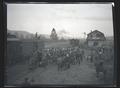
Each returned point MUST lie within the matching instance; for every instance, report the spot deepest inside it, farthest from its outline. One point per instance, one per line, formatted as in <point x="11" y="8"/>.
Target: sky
<point x="68" y="19"/>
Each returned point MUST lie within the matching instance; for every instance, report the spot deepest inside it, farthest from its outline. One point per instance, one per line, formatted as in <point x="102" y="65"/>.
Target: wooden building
<point x="14" y="49"/>
<point x="95" y="38"/>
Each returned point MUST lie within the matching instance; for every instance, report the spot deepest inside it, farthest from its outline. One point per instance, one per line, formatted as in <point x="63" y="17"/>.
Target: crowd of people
<point x="62" y="57"/>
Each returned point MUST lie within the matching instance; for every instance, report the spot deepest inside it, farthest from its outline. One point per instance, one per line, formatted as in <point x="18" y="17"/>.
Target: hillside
<point x="25" y="34"/>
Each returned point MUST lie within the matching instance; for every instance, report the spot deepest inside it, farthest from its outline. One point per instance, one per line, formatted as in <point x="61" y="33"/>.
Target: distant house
<point x="95" y="38"/>
<point x="14" y="49"/>
<point x="74" y="42"/>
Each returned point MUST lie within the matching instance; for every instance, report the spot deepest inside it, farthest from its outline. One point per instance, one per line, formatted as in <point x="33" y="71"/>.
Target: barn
<point x="95" y="38"/>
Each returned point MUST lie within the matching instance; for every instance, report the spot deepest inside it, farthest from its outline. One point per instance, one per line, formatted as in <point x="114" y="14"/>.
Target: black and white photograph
<point x="59" y="44"/>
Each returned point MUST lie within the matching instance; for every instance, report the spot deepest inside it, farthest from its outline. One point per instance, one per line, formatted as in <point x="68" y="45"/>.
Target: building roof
<point x="96" y="35"/>
<point x="11" y="37"/>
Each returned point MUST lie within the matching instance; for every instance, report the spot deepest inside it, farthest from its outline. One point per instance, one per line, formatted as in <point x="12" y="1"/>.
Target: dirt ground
<point x="77" y="74"/>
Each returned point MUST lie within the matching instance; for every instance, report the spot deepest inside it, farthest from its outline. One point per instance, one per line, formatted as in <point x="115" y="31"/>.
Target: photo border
<point x="116" y="26"/>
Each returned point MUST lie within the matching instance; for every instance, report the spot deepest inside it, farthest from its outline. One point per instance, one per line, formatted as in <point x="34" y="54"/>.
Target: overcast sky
<point x="70" y="19"/>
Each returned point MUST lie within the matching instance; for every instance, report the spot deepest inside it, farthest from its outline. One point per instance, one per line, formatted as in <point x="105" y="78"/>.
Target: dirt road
<point x="83" y="74"/>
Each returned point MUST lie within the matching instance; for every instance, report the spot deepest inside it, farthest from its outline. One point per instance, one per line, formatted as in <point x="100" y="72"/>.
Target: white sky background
<point x="69" y="19"/>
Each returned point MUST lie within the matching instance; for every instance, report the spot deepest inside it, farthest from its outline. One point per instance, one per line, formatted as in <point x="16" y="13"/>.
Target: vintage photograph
<point x="58" y="44"/>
